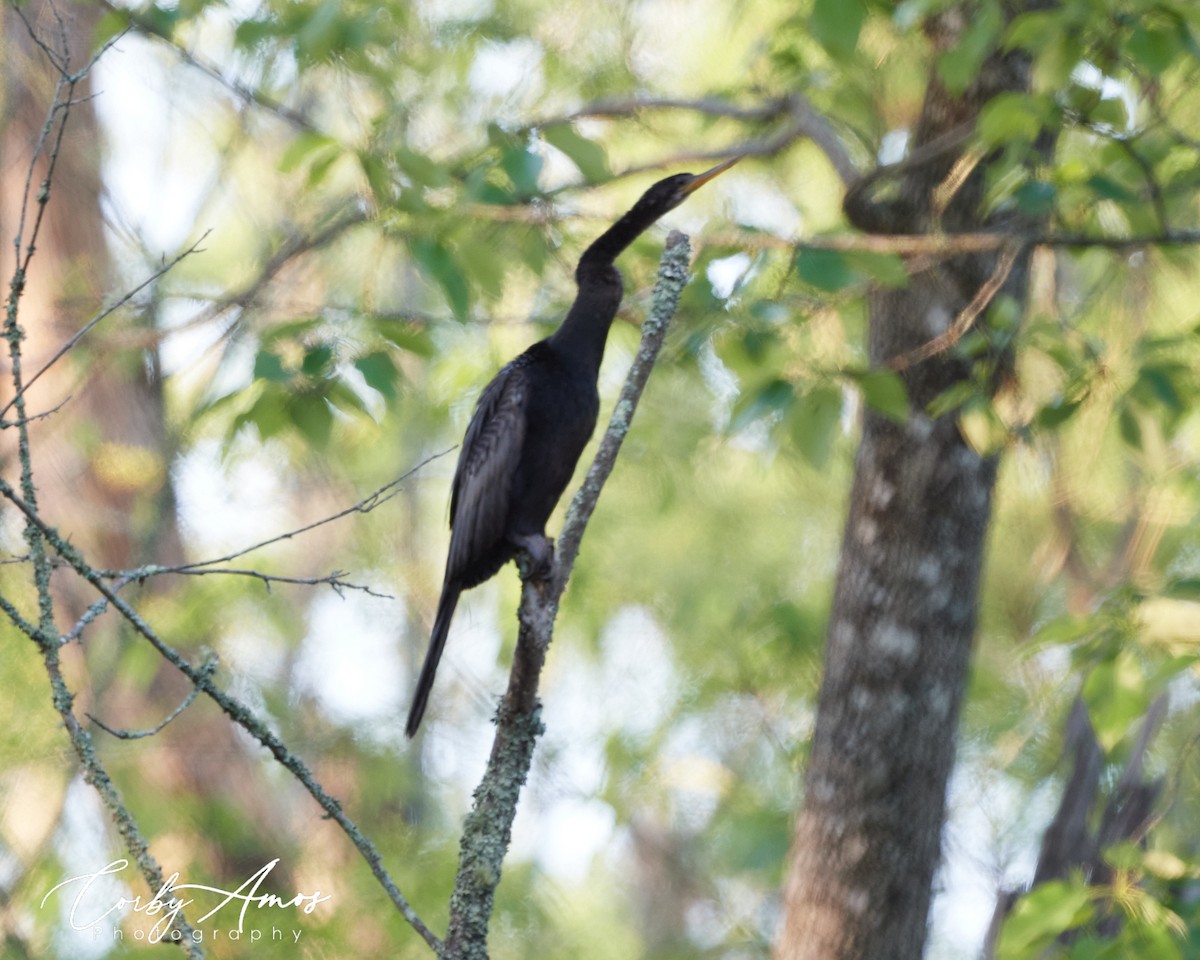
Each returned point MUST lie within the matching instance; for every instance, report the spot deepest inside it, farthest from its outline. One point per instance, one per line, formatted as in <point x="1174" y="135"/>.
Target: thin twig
<point x="333" y="580"/>
<point x="366" y="505"/>
<point x="213" y="72"/>
<point x="234" y="708"/>
<point x="803" y="122"/>
<point x="121" y="578"/>
<point x="966" y="317"/>
<point x="208" y="667"/>
<point x="102" y="315"/>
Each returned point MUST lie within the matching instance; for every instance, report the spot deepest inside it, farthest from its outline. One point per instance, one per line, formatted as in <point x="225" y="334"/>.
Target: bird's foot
<point x="539" y="560"/>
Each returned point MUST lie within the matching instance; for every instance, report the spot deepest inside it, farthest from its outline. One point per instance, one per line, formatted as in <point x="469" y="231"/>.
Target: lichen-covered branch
<point x="488" y="827"/>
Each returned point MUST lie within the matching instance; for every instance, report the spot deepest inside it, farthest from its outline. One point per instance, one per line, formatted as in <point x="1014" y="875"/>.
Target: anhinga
<point x="531" y="424"/>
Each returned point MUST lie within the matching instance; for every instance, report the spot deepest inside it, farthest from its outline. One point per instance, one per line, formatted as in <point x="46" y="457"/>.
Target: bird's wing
<point x="481" y="495"/>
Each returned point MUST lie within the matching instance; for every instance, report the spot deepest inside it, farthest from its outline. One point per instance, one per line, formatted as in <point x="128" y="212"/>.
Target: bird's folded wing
<point x="482" y="491"/>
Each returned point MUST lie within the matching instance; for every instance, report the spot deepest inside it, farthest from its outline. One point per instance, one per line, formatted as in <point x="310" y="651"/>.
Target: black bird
<point x="532" y="423"/>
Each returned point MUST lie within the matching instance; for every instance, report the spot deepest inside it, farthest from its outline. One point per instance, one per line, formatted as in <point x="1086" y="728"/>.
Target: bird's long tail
<point x="437" y="641"/>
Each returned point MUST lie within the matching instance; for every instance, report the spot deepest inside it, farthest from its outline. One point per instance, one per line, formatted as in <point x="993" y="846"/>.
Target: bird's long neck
<point x="584" y="332"/>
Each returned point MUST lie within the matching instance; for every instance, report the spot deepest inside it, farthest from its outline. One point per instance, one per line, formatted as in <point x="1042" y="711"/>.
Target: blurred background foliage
<point x="392" y="197"/>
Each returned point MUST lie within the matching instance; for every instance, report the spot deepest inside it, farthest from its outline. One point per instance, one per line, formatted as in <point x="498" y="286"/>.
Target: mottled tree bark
<point x="867" y="842"/>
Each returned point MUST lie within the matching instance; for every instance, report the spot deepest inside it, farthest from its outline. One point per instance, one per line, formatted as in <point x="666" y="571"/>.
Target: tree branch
<point x="235" y="709"/>
<point x="208" y="667"/>
<point x="488" y="827"/>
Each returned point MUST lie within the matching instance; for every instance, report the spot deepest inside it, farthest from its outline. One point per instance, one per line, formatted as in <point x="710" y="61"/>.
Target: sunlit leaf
<point x="884" y="392"/>
<point x="302" y="148"/>
<point x="1116" y="696"/>
<point x="1154" y="48"/>
<point x="960" y="64"/>
<point x="586" y="154"/>
<point x="1011" y="117"/>
<point x="312" y="416"/>
<point x="775" y="396"/>
<point x="814" y="421"/>
<point x="835" y="24"/>
<point x="442" y="268"/>
<point x="1048" y="910"/>
<point x="522" y="168"/>
<point x="380" y="373"/>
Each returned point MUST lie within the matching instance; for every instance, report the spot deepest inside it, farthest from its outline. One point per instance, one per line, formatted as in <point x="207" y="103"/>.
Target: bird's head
<point x="669" y="193"/>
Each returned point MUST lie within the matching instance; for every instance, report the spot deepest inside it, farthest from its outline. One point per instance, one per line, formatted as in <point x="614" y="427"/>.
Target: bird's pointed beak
<point x="702" y="178"/>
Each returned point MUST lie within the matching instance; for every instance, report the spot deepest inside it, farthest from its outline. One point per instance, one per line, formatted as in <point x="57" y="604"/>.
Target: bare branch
<point x="102" y="315"/>
<point x="208" y="667"/>
<point x="366" y="505"/>
<point x="333" y="580"/>
<point x="630" y="106"/>
<point x="803" y="122"/>
<point x="292" y="247"/>
<point x="235" y="709"/>
<point x="966" y="317"/>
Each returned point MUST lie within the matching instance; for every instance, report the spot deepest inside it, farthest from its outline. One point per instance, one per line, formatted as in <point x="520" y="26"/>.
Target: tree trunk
<point x="867" y="842"/>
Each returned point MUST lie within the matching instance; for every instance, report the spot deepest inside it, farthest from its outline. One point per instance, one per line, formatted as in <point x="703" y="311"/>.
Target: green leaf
<point x="269" y="366"/>
<point x="267" y="414"/>
<point x="108" y="26"/>
<point x="250" y="33"/>
<point x="884" y="392"/>
<point x="814" y="421"/>
<point x="410" y="337"/>
<point x="441" y="267"/>
<point x="982" y="427"/>
<point x="587" y="155"/>
<point x="522" y="168"/>
<point x="312" y="416"/>
<point x="826" y="269"/>
<point x="1040" y="916"/>
<point x="1154" y="48"/>
<point x="1116" y="695"/>
<point x="316" y="360"/>
<point x="1036" y="198"/>
<point x="1158" y="381"/>
<point x="378" y="176"/>
<point x="420" y="169"/>
<point x="1187" y="588"/>
<point x="775" y="396"/>
<point x="1011" y="118"/>
<point x="380" y="373"/>
<point x="952" y="398"/>
<point x="302" y="147"/>
<point x="479" y="256"/>
<point x="1111" y="112"/>
<point x="835" y="24"/>
<point x="886" y="269"/>
<point x="345" y="398"/>
<point x="1056" y="413"/>
<point x="960" y="65"/>
<point x="1109" y="189"/>
<point x="1131" y="430"/>
<point x="1035" y="30"/>
<point x="322" y="32"/>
